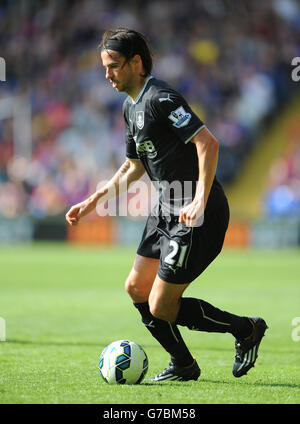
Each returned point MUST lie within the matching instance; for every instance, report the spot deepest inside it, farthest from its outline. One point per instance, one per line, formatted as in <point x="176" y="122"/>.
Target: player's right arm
<point x="129" y="172"/>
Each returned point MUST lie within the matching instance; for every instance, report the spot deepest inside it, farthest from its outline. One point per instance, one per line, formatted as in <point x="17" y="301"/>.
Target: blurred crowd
<point x="230" y="60"/>
<point x="283" y="192"/>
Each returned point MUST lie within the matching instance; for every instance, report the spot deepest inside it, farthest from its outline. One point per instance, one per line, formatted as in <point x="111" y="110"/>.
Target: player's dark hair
<point x="128" y="42"/>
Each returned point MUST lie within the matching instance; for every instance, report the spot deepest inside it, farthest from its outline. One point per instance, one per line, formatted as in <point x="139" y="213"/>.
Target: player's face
<point x="119" y="72"/>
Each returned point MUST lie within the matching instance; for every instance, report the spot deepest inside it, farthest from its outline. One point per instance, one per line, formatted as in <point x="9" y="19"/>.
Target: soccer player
<point x="166" y="139"/>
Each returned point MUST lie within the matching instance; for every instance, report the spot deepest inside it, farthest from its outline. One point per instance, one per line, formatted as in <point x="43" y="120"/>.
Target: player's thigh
<point x="141" y="277"/>
<point x="164" y="299"/>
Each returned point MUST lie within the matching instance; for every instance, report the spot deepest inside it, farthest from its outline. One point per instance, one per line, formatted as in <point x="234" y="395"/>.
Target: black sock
<point x="167" y="334"/>
<point x="196" y="314"/>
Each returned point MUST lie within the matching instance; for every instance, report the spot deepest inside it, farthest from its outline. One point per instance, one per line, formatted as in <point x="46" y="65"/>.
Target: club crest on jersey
<point x="180" y="117"/>
<point x="139" y="119"/>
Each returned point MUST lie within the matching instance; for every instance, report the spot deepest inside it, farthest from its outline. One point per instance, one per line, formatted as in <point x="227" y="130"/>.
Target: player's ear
<point x="136" y="60"/>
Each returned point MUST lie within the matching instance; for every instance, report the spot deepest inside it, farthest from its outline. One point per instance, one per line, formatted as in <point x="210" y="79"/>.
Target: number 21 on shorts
<point x="177" y="255"/>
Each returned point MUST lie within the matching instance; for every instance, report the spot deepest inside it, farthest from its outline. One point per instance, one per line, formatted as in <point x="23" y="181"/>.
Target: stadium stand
<point x="231" y="62"/>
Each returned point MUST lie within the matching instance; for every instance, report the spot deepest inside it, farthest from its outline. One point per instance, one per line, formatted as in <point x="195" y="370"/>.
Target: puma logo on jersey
<point x="172" y="269"/>
<point x="166" y="99"/>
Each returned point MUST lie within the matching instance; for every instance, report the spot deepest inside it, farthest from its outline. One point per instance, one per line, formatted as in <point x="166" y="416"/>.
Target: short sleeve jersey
<point x="159" y="126"/>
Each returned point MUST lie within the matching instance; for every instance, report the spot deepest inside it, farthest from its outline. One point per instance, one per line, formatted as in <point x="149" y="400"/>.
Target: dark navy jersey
<point x="159" y="126"/>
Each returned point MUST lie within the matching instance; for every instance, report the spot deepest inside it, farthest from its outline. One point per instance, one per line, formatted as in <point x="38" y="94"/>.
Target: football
<point x="123" y="362"/>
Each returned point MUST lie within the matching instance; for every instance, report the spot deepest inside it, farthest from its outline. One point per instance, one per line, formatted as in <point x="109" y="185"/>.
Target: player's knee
<point x="136" y="289"/>
<point x="130" y="286"/>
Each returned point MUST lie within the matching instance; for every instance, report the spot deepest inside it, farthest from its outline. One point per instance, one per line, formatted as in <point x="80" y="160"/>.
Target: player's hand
<point x="79" y="210"/>
<point x="192" y="214"/>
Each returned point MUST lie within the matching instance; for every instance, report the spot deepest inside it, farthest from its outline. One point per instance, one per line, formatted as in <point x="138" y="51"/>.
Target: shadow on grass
<point x="233" y="383"/>
<point x="64" y="343"/>
<point x="257" y="383"/>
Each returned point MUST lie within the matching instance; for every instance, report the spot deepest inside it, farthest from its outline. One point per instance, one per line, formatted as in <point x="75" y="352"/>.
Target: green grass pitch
<point x="63" y="304"/>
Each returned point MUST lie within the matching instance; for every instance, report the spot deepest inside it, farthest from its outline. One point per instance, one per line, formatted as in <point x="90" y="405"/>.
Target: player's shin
<point x="197" y="314"/>
<point x="167" y="334"/>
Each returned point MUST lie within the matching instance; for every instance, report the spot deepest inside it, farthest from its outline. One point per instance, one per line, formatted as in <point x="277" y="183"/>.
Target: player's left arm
<point x="207" y="148"/>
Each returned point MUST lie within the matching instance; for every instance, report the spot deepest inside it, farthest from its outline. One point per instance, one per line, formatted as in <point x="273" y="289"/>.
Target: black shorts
<point x="184" y="252"/>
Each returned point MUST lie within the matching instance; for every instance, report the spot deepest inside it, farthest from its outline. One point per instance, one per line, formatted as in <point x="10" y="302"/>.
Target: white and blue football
<point x="123" y="362"/>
